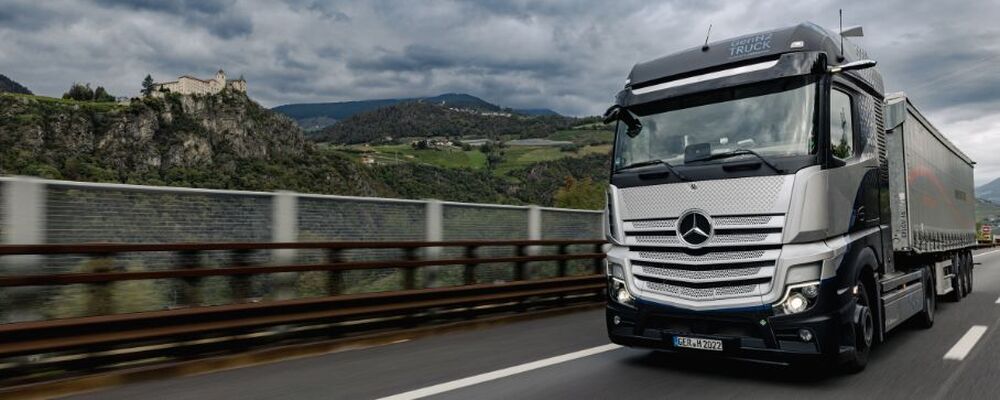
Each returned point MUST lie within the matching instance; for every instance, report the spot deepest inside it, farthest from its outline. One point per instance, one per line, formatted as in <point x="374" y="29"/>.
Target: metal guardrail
<point x="85" y="337"/>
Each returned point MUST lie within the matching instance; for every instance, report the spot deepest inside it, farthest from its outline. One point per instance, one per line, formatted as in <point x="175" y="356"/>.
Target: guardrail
<point x="107" y="340"/>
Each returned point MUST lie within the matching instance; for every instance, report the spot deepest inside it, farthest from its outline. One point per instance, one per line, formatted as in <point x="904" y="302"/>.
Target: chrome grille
<point x="738" y="259"/>
<point x="700" y="275"/>
<point x="718" y="256"/>
<point x="700" y="293"/>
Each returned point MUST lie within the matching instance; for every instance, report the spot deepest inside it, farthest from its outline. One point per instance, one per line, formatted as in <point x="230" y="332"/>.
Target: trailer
<point x="769" y="201"/>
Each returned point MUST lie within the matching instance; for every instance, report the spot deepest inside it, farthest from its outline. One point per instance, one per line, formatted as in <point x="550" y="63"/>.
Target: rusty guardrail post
<point x="410" y="273"/>
<point x="469" y="274"/>
<point x="99" y="299"/>
<point x="188" y="294"/>
<point x="334" y="278"/>
<point x="563" y="250"/>
<point x="520" y="266"/>
<point x="240" y="284"/>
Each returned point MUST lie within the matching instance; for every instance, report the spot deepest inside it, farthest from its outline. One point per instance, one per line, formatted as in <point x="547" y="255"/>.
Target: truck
<point x="769" y="201"/>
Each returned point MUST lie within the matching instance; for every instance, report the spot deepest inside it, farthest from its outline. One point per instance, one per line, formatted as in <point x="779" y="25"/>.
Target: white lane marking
<point x="489" y="376"/>
<point x="965" y="344"/>
<point x="988" y="252"/>
<point x="998" y="301"/>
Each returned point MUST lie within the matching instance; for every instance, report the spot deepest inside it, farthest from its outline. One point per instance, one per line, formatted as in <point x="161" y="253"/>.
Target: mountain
<point x="227" y="141"/>
<point x="430" y="119"/>
<point x="312" y="116"/>
<point x="8" y="85"/>
<point x="989" y="191"/>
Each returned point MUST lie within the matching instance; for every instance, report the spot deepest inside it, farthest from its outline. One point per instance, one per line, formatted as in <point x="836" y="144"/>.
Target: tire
<point x="969" y="267"/>
<point x="957" y="281"/>
<point x="925" y="319"/>
<point x="864" y="331"/>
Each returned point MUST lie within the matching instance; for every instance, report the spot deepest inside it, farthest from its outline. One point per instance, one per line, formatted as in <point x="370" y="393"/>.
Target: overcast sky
<point x="570" y="56"/>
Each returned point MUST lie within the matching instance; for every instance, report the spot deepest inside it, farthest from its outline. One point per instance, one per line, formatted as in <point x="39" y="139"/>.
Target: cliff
<point x="148" y="136"/>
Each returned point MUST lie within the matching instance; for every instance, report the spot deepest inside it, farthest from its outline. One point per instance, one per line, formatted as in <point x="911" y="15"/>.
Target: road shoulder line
<point x="502" y="373"/>
<point x="964" y="345"/>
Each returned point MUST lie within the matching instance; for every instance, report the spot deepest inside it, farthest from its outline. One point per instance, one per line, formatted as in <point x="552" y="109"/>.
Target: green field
<point x="583" y="136"/>
<point x="514" y="157"/>
<point x="90" y="105"/>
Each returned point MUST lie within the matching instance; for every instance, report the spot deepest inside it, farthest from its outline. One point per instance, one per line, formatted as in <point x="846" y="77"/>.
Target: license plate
<point x="698" y="343"/>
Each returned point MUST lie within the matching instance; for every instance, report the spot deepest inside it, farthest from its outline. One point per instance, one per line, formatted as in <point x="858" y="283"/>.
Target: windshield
<point x="773" y="120"/>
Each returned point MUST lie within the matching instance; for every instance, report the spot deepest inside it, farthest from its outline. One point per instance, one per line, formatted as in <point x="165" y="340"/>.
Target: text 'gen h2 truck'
<point x="768" y="201"/>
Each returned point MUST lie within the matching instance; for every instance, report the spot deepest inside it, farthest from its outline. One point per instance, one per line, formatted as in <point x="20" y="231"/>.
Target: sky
<point x="570" y="56"/>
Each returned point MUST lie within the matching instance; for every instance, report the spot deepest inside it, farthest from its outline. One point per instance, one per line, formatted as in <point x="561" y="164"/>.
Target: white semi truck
<point x="769" y="201"/>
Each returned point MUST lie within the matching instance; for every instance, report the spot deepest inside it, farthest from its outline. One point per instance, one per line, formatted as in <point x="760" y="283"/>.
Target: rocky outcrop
<point x="148" y="135"/>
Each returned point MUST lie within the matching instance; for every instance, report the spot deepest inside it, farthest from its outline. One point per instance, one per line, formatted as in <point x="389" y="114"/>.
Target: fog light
<point x="796" y="303"/>
<point x="617" y="320"/>
<point x="810" y="291"/>
<point x="804" y="334"/>
<point x="623" y="296"/>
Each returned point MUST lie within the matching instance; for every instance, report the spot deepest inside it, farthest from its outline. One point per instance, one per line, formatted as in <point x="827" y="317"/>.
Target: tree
<point x="102" y="95"/>
<point x="79" y="92"/>
<point x="583" y="194"/>
<point x="147" y="85"/>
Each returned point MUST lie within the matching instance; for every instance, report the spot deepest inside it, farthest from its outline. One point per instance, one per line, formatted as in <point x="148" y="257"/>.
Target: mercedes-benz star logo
<point x="694" y="227"/>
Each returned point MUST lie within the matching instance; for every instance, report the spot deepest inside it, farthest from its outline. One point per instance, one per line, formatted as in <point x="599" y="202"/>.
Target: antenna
<point x="705" y="46"/>
<point x="841" y="58"/>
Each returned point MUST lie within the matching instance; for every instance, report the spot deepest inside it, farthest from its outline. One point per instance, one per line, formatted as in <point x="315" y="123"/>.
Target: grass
<point x="447" y="158"/>
<point x="515" y="157"/>
<point x="95" y="106"/>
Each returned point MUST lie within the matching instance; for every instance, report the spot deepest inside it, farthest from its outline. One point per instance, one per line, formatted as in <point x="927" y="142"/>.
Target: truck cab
<point x="748" y="208"/>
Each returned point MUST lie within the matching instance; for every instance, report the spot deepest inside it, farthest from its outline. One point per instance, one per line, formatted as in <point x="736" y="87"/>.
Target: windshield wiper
<point x="652" y="162"/>
<point x="740" y="152"/>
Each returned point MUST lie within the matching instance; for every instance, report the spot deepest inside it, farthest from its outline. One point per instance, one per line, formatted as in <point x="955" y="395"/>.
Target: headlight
<point x="617" y="289"/>
<point x="620" y="293"/>
<point x="798" y="298"/>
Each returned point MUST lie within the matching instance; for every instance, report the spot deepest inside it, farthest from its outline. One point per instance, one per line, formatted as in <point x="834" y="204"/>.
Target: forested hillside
<point x="8" y="85"/>
<point x="419" y="119"/>
<point x="227" y="141"/>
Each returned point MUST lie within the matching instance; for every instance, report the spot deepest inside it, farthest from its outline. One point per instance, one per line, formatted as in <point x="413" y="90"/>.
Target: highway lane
<point x="910" y="365"/>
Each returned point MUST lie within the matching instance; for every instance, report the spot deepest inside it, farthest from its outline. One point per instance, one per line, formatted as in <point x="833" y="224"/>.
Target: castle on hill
<point x="188" y="84"/>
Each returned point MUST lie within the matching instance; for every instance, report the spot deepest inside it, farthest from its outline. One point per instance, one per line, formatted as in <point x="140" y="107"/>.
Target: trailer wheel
<point x="957" y="281"/>
<point x="968" y="272"/>
<point x="925" y="320"/>
<point x="864" y="331"/>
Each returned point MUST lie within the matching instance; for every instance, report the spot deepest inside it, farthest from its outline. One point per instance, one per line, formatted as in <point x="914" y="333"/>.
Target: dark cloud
<point x="216" y="16"/>
<point x="568" y="55"/>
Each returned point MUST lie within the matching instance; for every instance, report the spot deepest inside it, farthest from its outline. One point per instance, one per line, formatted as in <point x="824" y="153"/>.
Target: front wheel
<point x="864" y="331"/>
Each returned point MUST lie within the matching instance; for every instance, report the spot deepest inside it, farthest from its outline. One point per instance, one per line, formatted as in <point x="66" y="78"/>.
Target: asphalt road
<point x="542" y="359"/>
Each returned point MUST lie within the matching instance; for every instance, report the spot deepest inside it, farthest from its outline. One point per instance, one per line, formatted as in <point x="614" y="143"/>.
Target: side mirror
<point x="619" y="113"/>
<point x="855" y="65"/>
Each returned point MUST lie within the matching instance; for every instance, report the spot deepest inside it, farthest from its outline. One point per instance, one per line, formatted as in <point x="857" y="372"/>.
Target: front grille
<point x="699" y="275"/>
<point x="711" y="257"/>
<point x="738" y="261"/>
<point x="700" y="293"/>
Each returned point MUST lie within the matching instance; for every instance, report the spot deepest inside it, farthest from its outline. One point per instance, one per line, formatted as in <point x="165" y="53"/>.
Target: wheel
<point x="864" y="331"/>
<point x="957" y="281"/>
<point x="925" y="320"/>
<point x="969" y="267"/>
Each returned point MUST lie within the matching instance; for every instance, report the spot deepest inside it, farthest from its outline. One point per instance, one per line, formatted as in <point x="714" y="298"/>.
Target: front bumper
<point x="752" y="334"/>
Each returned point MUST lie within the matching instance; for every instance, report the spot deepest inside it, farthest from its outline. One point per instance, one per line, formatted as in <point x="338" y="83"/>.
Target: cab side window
<point x="841" y="125"/>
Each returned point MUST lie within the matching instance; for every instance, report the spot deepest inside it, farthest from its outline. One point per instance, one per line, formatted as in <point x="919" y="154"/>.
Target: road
<point x="569" y="357"/>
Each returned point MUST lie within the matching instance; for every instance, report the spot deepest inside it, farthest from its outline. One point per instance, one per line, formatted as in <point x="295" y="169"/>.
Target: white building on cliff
<point x="188" y="84"/>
